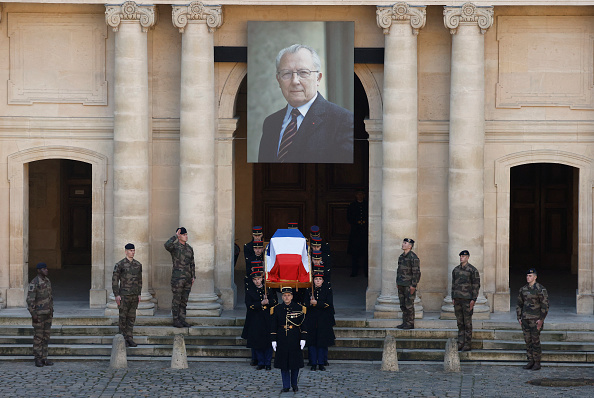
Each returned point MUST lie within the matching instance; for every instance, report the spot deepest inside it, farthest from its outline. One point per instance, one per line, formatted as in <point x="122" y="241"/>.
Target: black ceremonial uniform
<point x="256" y="329"/>
<point x="320" y="318"/>
<point x="248" y="262"/>
<point x="287" y="330"/>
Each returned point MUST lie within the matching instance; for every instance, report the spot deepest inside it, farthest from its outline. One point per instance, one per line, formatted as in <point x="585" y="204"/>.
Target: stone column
<point x="197" y="195"/>
<point x="401" y="24"/>
<point x="131" y="130"/>
<point x="467" y="23"/>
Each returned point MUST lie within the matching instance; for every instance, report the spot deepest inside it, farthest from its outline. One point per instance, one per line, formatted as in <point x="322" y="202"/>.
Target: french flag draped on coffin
<point x="287" y="261"/>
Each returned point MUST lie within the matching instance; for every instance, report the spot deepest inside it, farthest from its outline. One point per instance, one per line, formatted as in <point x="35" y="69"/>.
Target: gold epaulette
<point x="304" y="309"/>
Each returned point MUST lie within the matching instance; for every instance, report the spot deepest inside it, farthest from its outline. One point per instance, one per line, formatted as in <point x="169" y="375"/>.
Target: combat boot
<point x="536" y="365"/>
<point x="529" y="365"/>
<point x="46" y="362"/>
<point x="185" y="324"/>
<point x="177" y="324"/>
<point x="39" y="362"/>
<point x="130" y="342"/>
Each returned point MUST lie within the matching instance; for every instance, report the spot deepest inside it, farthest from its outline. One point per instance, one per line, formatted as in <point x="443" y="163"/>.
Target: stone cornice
<point x="401" y="13"/>
<point x="467" y="14"/>
<point x="197" y="11"/>
<point x="130" y="11"/>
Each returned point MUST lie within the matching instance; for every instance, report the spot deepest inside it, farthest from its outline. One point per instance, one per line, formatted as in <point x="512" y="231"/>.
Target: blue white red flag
<point x="286" y="257"/>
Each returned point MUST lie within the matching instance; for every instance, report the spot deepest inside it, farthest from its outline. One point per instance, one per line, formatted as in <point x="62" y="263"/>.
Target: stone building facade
<point x="467" y="93"/>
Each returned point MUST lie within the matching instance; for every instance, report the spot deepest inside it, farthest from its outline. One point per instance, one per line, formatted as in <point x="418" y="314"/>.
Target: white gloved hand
<point x="274" y="345"/>
<point x="302" y="343"/>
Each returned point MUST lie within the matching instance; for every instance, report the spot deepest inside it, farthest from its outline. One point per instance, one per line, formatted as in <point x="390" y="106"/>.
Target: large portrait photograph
<point x="300" y="90"/>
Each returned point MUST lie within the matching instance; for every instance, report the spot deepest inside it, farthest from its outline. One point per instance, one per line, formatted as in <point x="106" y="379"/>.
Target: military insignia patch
<point x="31" y="287"/>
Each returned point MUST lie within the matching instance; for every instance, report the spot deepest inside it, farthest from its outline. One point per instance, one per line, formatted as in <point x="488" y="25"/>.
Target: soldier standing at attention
<point x="466" y="282"/>
<point x="407" y="278"/>
<point x="258" y="255"/>
<point x="288" y="336"/>
<point x="248" y="248"/>
<point x="182" y="276"/>
<point x="532" y="309"/>
<point x="40" y="304"/>
<point x="126" y="283"/>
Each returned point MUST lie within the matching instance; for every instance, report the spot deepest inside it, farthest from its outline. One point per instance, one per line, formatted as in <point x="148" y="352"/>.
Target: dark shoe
<point x="285" y="390"/>
<point x="295" y="389"/>
<point x="408" y="327"/>
<point x="130" y="342"/>
<point x="39" y="363"/>
<point x="401" y="326"/>
<point x="177" y="324"/>
<point x="260" y="367"/>
<point x="529" y="365"/>
<point x="253" y="362"/>
<point x="313" y="367"/>
<point x="536" y="365"/>
<point x="185" y="324"/>
<point x="47" y="363"/>
<point x="268" y="367"/>
<point x="322" y="367"/>
<point x="326" y="363"/>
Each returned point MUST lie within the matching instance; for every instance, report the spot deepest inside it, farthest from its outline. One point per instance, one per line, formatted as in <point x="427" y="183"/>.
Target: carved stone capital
<point x="401" y="13"/>
<point x="197" y="11"/>
<point x="130" y="11"/>
<point x="468" y="13"/>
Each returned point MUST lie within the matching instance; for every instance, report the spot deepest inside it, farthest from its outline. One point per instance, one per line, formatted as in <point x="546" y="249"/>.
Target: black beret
<point x="464" y="253"/>
<point x="409" y="240"/>
<point x="182" y="230"/>
<point x="41" y="265"/>
<point x="129" y="246"/>
<point x="532" y="271"/>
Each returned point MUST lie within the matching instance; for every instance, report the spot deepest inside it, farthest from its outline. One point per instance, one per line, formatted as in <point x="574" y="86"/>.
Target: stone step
<point x="546" y="345"/>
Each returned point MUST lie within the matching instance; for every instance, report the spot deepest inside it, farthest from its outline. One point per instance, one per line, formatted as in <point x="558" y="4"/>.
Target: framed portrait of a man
<point x="300" y="92"/>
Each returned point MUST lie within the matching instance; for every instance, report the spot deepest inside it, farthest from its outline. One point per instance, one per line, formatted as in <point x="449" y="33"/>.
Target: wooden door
<point x="541" y="217"/>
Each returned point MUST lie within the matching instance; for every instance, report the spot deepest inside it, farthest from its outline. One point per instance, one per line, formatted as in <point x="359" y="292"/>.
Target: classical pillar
<point x="401" y="24"/>
<point x="197" y="189"/>
<point x="131" y="183"/>
<point x="467" y="23"/>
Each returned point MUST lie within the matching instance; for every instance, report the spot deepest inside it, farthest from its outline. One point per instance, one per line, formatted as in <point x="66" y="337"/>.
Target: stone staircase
<point x="357" y="339"/>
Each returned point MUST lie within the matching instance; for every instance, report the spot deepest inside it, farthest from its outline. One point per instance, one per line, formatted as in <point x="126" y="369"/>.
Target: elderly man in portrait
<point x="309" y="129"/>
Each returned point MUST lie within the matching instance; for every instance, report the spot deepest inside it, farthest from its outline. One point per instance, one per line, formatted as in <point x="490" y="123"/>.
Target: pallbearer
<point x="248" y="248"/>
<point x="324" y="247"/>
<point x="256" y="329"/>
<point x="288" y="336"/>
<point x="320" y="321"/>
<point x="258" y="255"/>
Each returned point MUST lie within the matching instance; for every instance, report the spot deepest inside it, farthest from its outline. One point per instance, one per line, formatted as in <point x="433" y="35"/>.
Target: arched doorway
<point x="543" y="229"/>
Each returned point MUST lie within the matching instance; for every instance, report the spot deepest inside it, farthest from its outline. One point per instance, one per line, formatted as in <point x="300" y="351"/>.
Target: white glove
<point x="274" y="345"/>
<point x="302" y="343"/>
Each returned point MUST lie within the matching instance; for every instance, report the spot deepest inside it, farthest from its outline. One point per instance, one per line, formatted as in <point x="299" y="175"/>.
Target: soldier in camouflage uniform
<point x="466" y="283"/>
<point x="407" y="278"/>
<point x="40" y="304"/>
<point x="182" y="276"/>
<point x="532" y="309"/>
<point x="126" y="283"/>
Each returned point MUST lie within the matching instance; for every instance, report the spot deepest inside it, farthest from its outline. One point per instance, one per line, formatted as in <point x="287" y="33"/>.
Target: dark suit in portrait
<point x="325" y="135"/>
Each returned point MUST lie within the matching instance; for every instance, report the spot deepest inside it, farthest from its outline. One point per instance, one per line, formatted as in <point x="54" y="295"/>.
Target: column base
<point x="481" y="309"/>
<point x="203" y="305"/>
<point x="97" y="298"/>
<point x="2" y="301"/>
<point x="584" y="304"/>
<point x="501" y="302"/>
<point x="15" y="297"/>
<point x="388" y="307"/>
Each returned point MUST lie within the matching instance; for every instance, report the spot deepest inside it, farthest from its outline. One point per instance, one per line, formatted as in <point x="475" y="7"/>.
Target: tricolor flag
<point x="286" y="257"/>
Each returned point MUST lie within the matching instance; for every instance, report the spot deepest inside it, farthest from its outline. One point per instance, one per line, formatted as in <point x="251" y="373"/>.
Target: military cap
<point x="318" y="272"/>
<point x="183" y="230"/>
<point x="286" y="289"/>
<point x="293" y="225"/>
<point x="316" y="240"/>
<point x="256" y="230"/>
<point x="258" y="243"/>
<point x="129" y="246"/>
<point x="314" y="230"/>
<point x="464" y="253"/>
<point x="256" y="274"/>
<point x="316" y="255"/>
<point x="41" y="265"/>
<point x="532" y="271"/>
<point x="409" y="240"/>
<point x="257" y="264"/>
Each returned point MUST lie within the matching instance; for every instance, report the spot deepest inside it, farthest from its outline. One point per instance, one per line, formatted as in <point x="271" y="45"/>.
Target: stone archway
<point x="584" y="299"/>
<point x="19" y="213"/>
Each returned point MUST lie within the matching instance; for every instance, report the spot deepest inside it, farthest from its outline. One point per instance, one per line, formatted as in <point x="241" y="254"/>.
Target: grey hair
<point x="296" y="47"/>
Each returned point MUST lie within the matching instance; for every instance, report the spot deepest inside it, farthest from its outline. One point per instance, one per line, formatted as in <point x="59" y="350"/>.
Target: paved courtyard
<point x="238" y="379"/>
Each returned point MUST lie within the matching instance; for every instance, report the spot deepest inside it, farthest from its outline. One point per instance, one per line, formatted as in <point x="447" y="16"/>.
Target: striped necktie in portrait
<point x="288" y="135"/>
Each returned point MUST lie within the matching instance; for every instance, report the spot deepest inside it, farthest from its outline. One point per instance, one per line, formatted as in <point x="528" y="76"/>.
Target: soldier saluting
<point x="532" y="309"/>
<point x="466" y="283"/>
<point x="126" y="283"/>
<point x="182" y="276"/>
<point x="40" y="303"/>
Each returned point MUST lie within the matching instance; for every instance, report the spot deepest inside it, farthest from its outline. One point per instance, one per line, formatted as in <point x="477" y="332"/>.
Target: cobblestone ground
<point x="238" y="379"/>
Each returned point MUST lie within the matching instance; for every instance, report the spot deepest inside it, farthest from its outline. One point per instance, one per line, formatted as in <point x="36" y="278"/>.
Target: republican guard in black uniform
<point x="248" y="248"/>
<point x="320" y="321"/>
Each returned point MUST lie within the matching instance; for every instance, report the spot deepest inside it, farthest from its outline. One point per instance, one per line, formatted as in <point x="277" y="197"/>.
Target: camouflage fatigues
<point x="407" y="275"/>
<point x="533" y="305"/>
<point x="184" y="270"/>
<point x="126" y="282"/>
<point x="466" y="282"/>
<point x="40" y="304"/>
